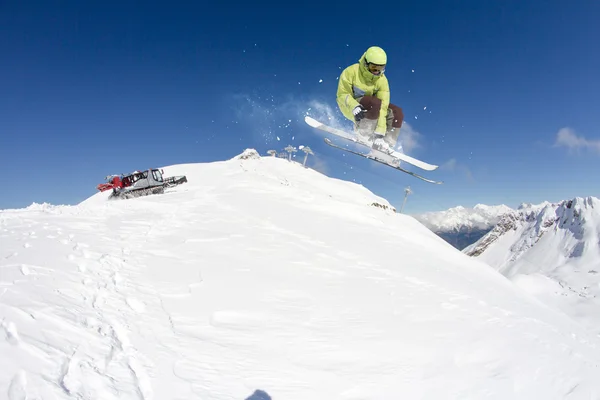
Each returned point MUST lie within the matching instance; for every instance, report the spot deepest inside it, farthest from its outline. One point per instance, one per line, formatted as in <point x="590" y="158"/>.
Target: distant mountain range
<point x="553" y="251"/>
<point x="461" y="226"/>
<point x="542" y="236"/>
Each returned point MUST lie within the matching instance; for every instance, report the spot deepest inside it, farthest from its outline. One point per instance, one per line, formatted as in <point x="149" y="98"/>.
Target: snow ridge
<point x="553" y="251"/>
<point x="533" y="221"/>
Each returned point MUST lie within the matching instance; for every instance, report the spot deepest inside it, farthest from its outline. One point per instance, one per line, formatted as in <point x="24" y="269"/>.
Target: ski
<point x="381" y="161"/>
<point x="345" y="135"/>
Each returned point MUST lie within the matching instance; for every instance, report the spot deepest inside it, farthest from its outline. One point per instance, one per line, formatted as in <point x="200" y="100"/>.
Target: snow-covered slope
<point x="552" y="249"/>
<point x="461" y="226"/>
<point x="260" y="276"/>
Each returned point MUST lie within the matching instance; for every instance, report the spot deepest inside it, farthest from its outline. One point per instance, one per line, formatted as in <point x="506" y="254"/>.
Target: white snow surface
<point x="262" y="279"/>
<point x="553" y="251"/>
<point x="454" y="219"/>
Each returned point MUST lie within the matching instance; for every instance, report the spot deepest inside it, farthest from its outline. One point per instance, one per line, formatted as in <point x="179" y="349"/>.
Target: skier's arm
<point x="383" y="94"/>
<point x="345" y="98"/>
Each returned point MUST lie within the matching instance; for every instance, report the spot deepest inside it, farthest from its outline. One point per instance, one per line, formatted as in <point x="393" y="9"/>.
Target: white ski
<point x="345" y="135"/>
<point x="380" y="160"/>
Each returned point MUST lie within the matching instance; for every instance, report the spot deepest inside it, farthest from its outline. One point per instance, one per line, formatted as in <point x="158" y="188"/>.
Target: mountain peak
<point x="248" y="154"/>
<point x="531" y="206"/>
<point x="461" y="218"/>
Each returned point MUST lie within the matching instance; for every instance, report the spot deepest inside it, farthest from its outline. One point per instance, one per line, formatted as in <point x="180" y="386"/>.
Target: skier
<point x="363" y="96"/>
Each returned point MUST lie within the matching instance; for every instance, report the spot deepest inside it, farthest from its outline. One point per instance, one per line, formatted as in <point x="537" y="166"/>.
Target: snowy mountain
<point x="262" y="279"/>
<point x="552" y="250"/>
<point x="462" y="226"/>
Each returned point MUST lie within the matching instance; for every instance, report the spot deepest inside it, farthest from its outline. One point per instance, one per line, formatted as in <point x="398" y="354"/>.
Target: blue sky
<point x="94" y="89"/>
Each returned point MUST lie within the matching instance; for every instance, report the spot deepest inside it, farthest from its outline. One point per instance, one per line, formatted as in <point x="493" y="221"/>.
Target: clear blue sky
<point x="94" y="89"/>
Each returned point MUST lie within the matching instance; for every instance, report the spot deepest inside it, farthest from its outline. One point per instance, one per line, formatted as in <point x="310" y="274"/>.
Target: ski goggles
<point x="375" y="69"/>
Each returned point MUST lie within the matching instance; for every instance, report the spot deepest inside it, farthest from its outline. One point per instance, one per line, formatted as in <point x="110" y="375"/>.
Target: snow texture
<point x="261" y="279"/>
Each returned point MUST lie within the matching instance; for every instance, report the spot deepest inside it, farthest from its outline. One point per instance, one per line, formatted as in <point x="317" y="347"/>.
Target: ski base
<point x="373" y="157"/>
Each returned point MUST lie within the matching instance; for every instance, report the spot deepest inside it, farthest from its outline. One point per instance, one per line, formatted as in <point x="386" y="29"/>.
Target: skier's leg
<point x="394" y="119"/>
<point x="366" y="126"/>
<point x="372" y="105"/>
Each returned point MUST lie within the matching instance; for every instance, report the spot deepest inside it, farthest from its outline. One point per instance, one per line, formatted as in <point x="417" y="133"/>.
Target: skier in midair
<point x="363" y="96"/>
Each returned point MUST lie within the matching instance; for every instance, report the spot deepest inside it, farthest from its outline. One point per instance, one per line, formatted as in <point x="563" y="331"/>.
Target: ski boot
<point x="380" y="144"/>
<point x="364" y="131"/>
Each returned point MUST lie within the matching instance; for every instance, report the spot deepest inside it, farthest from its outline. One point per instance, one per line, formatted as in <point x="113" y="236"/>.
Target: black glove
<point x="359" y="112"/>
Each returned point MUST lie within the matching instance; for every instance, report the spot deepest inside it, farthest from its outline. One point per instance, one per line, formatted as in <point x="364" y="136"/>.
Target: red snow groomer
<point x="139" y="183"/>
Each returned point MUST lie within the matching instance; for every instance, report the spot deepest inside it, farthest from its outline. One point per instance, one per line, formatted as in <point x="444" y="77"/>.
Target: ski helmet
<point x="376" y="55"/>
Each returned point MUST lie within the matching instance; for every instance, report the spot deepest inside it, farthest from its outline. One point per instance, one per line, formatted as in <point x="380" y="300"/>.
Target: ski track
<point x="104" y="301"/>
<point x="106" y="286"/>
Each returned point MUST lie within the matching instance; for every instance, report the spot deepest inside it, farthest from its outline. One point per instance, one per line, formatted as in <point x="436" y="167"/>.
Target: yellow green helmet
<point x="376" y="55"/>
